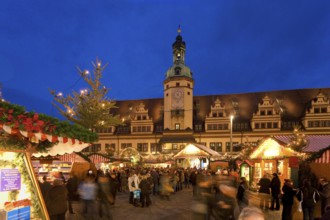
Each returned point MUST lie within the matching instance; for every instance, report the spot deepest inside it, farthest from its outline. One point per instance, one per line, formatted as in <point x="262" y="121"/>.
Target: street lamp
<point x="231" y="132"/>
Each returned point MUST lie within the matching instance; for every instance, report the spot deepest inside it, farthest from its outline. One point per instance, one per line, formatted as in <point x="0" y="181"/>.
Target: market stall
<point x="22" y="134"/>
<point x="195" y="155"/>
<point x="272" y="156"/>
<point x="67" y="163"/>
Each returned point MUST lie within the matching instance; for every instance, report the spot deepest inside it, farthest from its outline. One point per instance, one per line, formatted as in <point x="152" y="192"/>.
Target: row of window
<point x="267" y="125"/>
<point x="320" y="123"/>
<point x="266" y="112"/>
<point x="141" y="117"/>
<point x="141" y="128"/>
<point x="217" y="127"/>
<point x="154" y="147"/>
<point x="319" y="110"/>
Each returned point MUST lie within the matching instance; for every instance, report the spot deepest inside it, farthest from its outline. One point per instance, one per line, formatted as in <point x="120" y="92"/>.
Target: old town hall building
<point x="166" y="125"/>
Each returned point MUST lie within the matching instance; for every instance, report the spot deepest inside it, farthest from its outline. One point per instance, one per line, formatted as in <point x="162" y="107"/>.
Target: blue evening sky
<point x="233" y="46"/>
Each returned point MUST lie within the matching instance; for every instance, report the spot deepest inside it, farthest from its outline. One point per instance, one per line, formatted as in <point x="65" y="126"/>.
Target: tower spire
<point x="179" y="30"/>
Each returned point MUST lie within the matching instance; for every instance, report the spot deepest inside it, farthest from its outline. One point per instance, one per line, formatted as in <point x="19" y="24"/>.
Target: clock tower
<point x="178" y="90"/>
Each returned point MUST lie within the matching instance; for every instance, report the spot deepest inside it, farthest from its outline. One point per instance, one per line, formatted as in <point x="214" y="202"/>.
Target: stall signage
<point x="21" y="214"/>
<point x="10" y="180"/>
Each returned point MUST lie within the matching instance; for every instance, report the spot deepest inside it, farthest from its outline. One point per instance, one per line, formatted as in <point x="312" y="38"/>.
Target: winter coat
<point x="133" y="183"/>
<point x="275" y="186"/>
<point x="88" y="190"/>
<point x="309" y="196"/>
<point x="288" y="195"/>
<point x="72" y="187"/>
<point x="264" y="184"/>
<point x="56" y="200"/>
<point x="144" y="185"/>
<point x="45" y="187"/>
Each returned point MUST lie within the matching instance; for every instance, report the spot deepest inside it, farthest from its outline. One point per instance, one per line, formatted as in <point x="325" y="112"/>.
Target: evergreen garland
<point x="17" y="118"/>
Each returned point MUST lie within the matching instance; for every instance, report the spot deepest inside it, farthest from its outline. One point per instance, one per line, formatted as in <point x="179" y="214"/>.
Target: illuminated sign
<point x="10" y="180"/>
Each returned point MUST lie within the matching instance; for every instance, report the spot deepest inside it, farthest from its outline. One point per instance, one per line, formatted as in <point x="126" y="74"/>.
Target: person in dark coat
<point x="104" y="195"/>
<point x="275" y="186"/>
<point x="287" y="199"/>
<point x="114" y="185"/>
<point x="241" y="196"/>
<point x="145" y="190"/>
<point x="72" y="187"/>
<point x="44" y="186"/>
<point x="193" y="181"/>
<point x="308" y="195"/>
<point x="56" y="200"/>
<point x="264" y="192"/>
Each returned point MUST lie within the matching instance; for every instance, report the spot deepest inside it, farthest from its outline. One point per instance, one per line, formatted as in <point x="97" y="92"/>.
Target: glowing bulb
<point x="59" y="94"/>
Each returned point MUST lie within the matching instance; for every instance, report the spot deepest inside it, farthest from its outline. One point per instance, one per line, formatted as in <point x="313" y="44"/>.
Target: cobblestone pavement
<point x="179" y="207"/>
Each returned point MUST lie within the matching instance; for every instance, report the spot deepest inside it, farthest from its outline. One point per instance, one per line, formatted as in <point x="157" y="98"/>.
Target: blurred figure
<point x="114" y="185"/>
<point x="62" y="177"/>
<point x="87" y="190"/>
<point x="275" y="186"/>
<point x="325" y="194"/>
<point x="193" y="181"/>
<point x="251" y="213"/>
<point x="202" y="203"/>
<point x="186" y="179"/>
<point x="165" y="187"/>
<point x="56" y="200"/>
<point x="145" y="190"/>
<point x="72" y="187"/>
<point x="155" y="179"/>
<point x="133" y="185"/>
<point x="44" y="186"/>
<point x="224" y="205"/>
<point x="287" y="199"/>
<point x="264" y="192"/>
<point x="124" y="182"/>
<point x="309" y="196"/>
<point x="105" y="195"/>
<point x="326" y="215"/>
<point x="242" y="194"/>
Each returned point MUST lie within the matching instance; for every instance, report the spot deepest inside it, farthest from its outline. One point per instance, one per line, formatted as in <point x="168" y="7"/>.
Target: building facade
<point x="168" y="124"/>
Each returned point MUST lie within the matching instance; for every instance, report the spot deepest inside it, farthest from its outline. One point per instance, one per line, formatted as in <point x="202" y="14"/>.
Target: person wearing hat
<point x="275" y="186"/>
<point x="56" y="200"/>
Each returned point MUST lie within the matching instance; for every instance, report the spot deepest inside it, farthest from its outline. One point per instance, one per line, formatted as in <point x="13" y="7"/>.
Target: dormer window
<point x="177" y="71"/>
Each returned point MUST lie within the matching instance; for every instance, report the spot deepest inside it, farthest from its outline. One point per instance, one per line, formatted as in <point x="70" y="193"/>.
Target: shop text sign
<point x="10" y="180"/>
<point x="19" y="214"/>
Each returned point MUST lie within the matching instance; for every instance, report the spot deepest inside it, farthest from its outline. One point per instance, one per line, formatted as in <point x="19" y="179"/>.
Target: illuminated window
<point x="177" y="126"/>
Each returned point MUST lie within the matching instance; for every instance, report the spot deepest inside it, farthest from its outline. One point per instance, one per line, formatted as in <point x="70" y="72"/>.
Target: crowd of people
<point x="220" y="196"/>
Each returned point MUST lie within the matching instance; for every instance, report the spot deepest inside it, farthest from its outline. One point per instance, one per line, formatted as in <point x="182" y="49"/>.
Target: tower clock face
<point x="177" y="100"/>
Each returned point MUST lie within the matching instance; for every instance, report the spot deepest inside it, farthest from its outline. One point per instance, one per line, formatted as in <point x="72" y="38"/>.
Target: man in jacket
<point x="275" y="186"/>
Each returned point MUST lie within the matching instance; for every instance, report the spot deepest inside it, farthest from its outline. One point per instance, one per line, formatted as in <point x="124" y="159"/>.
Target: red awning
<point x="95" y="158"/>
<point x="325" y="158"/>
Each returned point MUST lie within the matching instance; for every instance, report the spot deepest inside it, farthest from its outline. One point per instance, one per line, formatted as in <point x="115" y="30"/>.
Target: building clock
<point x="177" y="100"/>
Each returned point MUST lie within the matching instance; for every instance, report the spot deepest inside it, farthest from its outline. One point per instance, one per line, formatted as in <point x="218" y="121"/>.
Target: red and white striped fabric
<point x="95" y="158"/>
<point x="71" y="158"/>
<point x="325" y="158"/>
